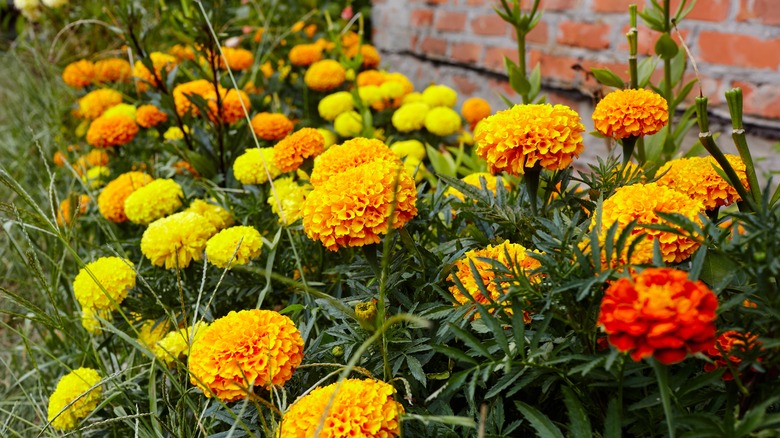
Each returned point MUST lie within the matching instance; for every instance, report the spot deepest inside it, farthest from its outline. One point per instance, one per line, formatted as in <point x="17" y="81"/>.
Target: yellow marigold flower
<point x="353" y="209"/>
<point x="96" y="176"/>
<point x="112" y="130"/>
<point x="304" y="55"/>
<point x="153" y="201"/>
<point x="370" y="77"/>
<point x="526" y="135"/>
<point x="250" y="168"/>
<point x="91" y="323"/>
<point x="151" y="332"/>
<point x="325" y="75"/>
<point x="111" y="201"/>
<point x="74" y="398"/>
<point x="292" y="198"/>
<point x="351" y="153"/>
<point x="442" y="121"/>
<point x="162" y="63"/>
<point x="329" y="136"/>
<point x="122" y="108"/>
<point x="221" y="247"/>
<point x="297" y="27"/>
<point x="267" y="69"/>
<point x="94" y="103"/>
<point x="641" y="202"/>
<point x="290" y="152"/>
<point x="114" y="274"/>
<point x="348" y="124"/>
<point x="242" y="349"/>
<point x="79" y="74"/>
<point x="237" y="58"/>
<point x="66" y="214"/>
<point x="365" y="408"/>
<point x="697" y="178"/>
<point x="173" y="133"/>
<point x="271" y="126"/>
<point x="440" y="95"/>
<point x="176" y="240"/>
<point x="491" y="278"/>
<point x="393" y="91"/>
<point x="113" y="70"/>
<point x="148" y="116"/>
<point x="95" y="157"/>
<point x="399" y="78"/>
<point x="475" y="109"/>
<point x="412" y="98"/>
<point x="334" y="104"/>
<point x="406" y="148"/>
<point x="177" y="344"/>
<point x="630" y="113"/>
<point x="491" y="182"/>
<point x="410" y="116"/>
<point x="371" y="58"/>
<point x="182" y="52"/>
<point x="218" y="216"/>
<point x="370" y="94"/>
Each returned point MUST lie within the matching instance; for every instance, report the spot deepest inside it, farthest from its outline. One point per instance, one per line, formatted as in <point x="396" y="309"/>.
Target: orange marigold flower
<point x="350" y="39"/>
<point x="305" y="54"/>
<point x="325" y="75"/>
<point x="490" y="273"/>
<point x="59" y="159"/>
<point x="697" y="178"/>
<point x="93" y="158"/>
<point x="271" y="126"/>
<point x="65" y="214"/>
<point x="237" y="58"/>
<point x="113" y="70"/>
<point x="641" y="202"/>
<point x="364" y="408"/>
<point x="96" y="102"/>
<point x="182" y="93"/>
<point x="148" y="116"/>
<point x="350" y="154"/>
<point x="113" y="130"/>
<point x="310" y="30"/>
<point x="176" y="240"/>
<point x="162" y="63"/>
<point x="370" y="77"/>
<point x="526" y="135"/>
<point x="371" y="58"/>
<point x="475" y="109"/>
<point x="630" y="113"/>
<point x="183" y="167"/>
<point x="111" y="201"/>
<point x="79" y="74"/>
<point x="659" y="313"/>
<point x="728" y="349"/>
<point x="182" y="52"/>
<point x="290" y="152"/>
<point x="242" y="349"/>
<point x="354" y="208"/>
<point x="258" y="36"/>
<point x="232" y="108"/>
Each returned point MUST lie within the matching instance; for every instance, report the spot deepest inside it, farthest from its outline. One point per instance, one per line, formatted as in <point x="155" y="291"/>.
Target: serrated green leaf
<point x="541" y="423"/>
<point x="579" y="423"/>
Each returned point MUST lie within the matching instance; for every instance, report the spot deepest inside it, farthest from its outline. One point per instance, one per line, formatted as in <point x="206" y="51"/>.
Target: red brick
<point x="494" y="57"/>
<point x="552" y="5"/>
<point x="710" y="88"/>
<point x="464" y="85"/>
<point x="739" y="50"/>
<point x="612" y="5"/>
<point x="465" y="52"/>
<point x="503" y="87"/>
<point x="489" y="25"/>
<point x="447" y="21"/>
<point x="434" y="46"/>
<point x="588" y="35"/>
<point x="762" y="101"/>
<point x="554" y="67"/>
<point x="422" y="17"/>
<point x="766" y="11"/>
<point x="538" y="34"/>
<point x="711" y="10"/>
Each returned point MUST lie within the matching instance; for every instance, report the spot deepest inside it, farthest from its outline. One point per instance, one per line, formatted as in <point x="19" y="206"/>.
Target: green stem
<point x="521" y="60"/>
<point x="662" y="374"/>
<point x="734" y="99"/>
<point x="628" y="149"/>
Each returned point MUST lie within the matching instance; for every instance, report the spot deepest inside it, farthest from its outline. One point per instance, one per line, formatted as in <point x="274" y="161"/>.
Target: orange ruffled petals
<point x="290" y="152"/>
<point x="630" y="113"/>
<point x="111" y="130"/>
<point x="351" y="153"/>
<point x="728" y="349"/>
<point x="697" y="178"/>
<point x="271" y="126"/>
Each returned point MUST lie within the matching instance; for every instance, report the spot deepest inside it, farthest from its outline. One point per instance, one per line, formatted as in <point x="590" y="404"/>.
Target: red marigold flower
<point x="659" y="313"/>
<point x="728" y="349"/>
<point x="290" y="152"/>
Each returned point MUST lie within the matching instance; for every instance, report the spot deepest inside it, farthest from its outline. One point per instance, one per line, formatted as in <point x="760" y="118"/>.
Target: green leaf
<point x="470" y="340"/>
<point x="543" y="425"/>
<point x="579" y="423"/>
<point x="645" y="70"/>
<point x="612" y="427"/>
<point x="605" y="76"/>
<point x="519" y="83"/>
<point x="665" y="47"/>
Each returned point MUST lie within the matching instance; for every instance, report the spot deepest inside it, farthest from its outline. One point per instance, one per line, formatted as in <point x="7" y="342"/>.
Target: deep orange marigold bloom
<point x="641" y="202"/>
<point x="495" y="284"/>
<point x="305" y="54"/>
<point x="148" y="116"/>
<point x="727" y="351"/>
<point x="371" y="58"/>
<point x="182" y="52"/>
<point x="350" y="39"/>
<point x="242" y="349"/>
<point x="113" y="70"/>
<point x="79" y="74"/>
<point x="200" y="87"/>
<point x="66" y="214"/>
<point x="111" y="201"/>
<point x="475" y="109"/>
<point x="290" y="152"/>
<point x="353" y="208"/>
<point x="232" y="108"/>
<point x="271" y="126"/>
<point x="111" y="130"/>
<point x="237" y="58"/>
<point x="370" y="77"/>
<point x="59" y="159"/>
<point x="325" y="75"/>
<point x="350" y="154"/>
<point x="697" y="178"/>
<point x="162" y="63"/>
<point x="659" y="313"/>
<point x="360" y="408"/>
<point x="96" y="102"/>
<point x="630" y="113"/>
<point x="528" y="135"/>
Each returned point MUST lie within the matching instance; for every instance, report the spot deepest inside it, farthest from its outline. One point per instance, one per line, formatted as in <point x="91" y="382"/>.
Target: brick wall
<point x="463" y="42"/>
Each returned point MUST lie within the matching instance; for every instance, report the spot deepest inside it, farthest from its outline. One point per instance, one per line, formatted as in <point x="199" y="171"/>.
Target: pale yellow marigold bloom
<point x="406" y="148"/>
<point x="153" y="201"/>
<point x="334" y="104"/>
<point x="348" y="124"/>
<point x="440" y="95"/>
<point x="177" y="343"/>
<point x="250" y="167"/>
<point x="176" y="240"/>
<point x="218" y="216"/>
<point x="235" y="245"/>
<point x="292" y="195"/>
<point x="442" y="121"/>
<point x="114" y="274"/>
<point x="152" y="332"/>
<point x="410" y="116"/>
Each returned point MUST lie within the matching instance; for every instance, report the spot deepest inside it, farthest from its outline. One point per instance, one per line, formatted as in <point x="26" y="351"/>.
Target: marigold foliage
<point x="630" y="113"/>
<point x="442" y="121"/>
<point x="304" y="55"/>
<point x="218" y="216"/>
<point x="243" y="349"/>
<point x="697" y="178"/>
<point x="440" y="95"/>
<point x="74" y="387"/>
<point x="290" y="152"/>
<point x="325" y="75"/>
<point x="111" y="200"/>
<point x="727" y="351"/>
<point x="410" y="116"/>
<point x="176" y="344"/>
<point x="292" y="197"/>
<point x="148" y="116"/>
<point x="114" y="274"/>
<point x="111" y="130"/>
<point x="491" y="182"/>
<point x="475" y="109"/>
<point x="245" y="242"/>
<point x="525" y="136"/>
<point x="659" y="313"/>
<point x="153" y="201"/>
<point x="360" y="408"/>
<point x="250" y="167"/>
<point x="334" y="104"/>
<point x="113" y="70"/>
<point x="79" y="74"/>
<point x="96" y="102"/>
<point x="176" y="240"/>
<point x="351" y="153"/>
<point x="271" y="126"/>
